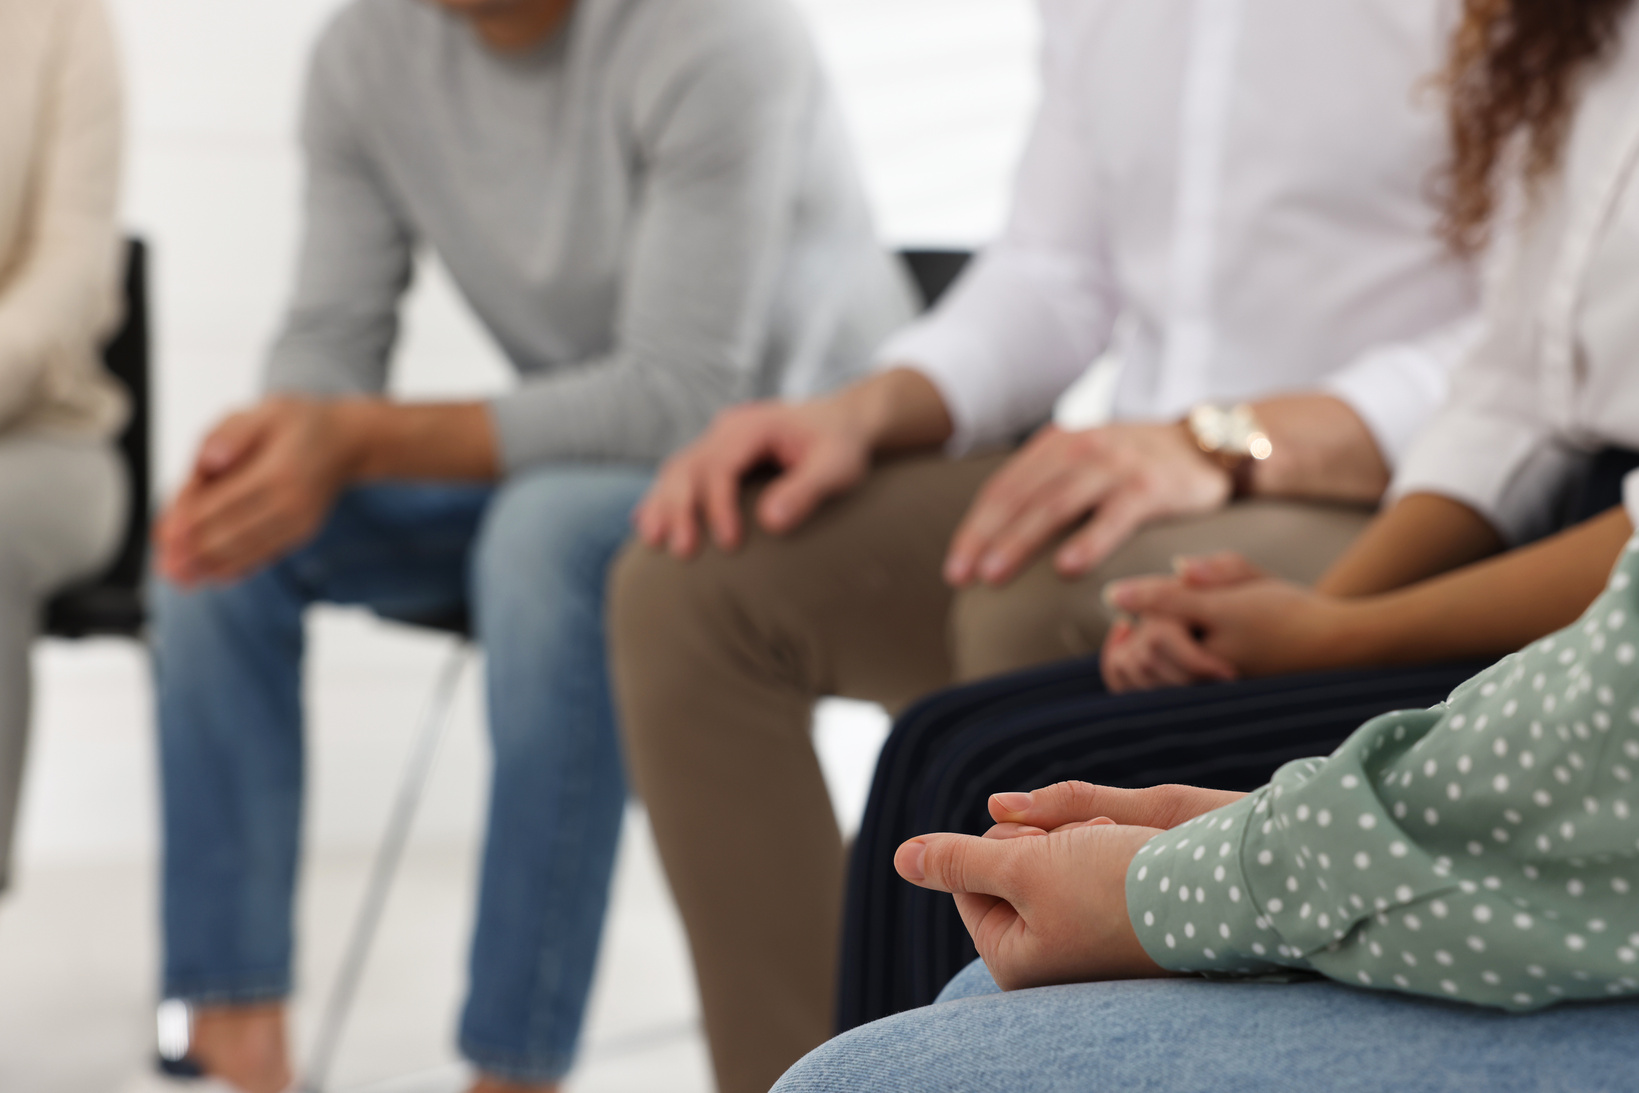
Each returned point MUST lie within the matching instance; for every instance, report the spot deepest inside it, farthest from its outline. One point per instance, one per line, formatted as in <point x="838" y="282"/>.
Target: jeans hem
<point x="235" y="994"/>
<point x="509" y="1066"/>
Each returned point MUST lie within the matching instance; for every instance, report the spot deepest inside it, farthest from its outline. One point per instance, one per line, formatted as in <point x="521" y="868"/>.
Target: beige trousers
<point x="718" y="662"/>
<point x="62" y="508"/>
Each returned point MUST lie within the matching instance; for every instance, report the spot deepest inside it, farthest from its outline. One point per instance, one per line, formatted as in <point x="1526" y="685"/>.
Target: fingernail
<point x="955" y="572"/>
<point x="911" y="869"/>
<point x="993" y="566"/>
<point x="1180" y="564"/>
<point x="1012" y="802"/>
<point x="1112" y="595"/>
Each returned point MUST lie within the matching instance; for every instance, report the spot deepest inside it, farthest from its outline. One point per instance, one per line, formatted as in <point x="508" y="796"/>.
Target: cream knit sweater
<point x="60" y="136"/>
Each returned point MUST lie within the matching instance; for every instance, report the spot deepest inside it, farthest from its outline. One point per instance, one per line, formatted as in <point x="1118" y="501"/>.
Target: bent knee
<point x="1038" y="618"/>
<point x="556" y="527"/>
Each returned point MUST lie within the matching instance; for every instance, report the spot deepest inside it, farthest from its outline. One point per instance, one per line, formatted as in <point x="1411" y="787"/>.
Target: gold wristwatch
<point x="1234" y="439"/>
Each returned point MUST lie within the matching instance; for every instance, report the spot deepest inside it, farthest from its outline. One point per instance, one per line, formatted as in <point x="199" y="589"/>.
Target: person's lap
<point x="525" y="563"/>
<point x="1040" y="616"/>
<point x="62" y="502"/>
<point x="952" y="750"/>
<point x="1200" y="1036"/>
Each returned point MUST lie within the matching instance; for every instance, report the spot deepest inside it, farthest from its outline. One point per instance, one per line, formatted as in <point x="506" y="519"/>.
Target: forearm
<point x="897" y="410"/>
<point x="386" y="440"/>
<point x="1494" y="607"/>
<point x="1422" y="536"/>
<point x="1322" y="451"/>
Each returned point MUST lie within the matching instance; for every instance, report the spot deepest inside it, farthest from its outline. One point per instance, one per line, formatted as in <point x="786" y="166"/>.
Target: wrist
<point x="355" y="427"/>
<point x="896" y="410"/>
<point x="1232" y="484"/>
<point x="1233" y="438"/>
<point x="1360" y="632"/>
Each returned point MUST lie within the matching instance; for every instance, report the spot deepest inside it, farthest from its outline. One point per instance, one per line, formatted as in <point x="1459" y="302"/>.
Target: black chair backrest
<point x="126" y="357"/>
<point x="934" y="270"/>
<point x="112" y="604"/>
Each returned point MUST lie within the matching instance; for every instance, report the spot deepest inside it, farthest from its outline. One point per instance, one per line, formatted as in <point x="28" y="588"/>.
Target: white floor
<point x="938" y="93"/>
<point x="77" y="936"/>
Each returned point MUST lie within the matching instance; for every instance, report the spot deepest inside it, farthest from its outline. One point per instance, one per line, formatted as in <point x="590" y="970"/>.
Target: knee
<point x="189" y="623"/>
<point x="1039" y="618"/>
<point x="547" y="539"/>
<point x="652" y="596"/>
<point x="971" y="982"/>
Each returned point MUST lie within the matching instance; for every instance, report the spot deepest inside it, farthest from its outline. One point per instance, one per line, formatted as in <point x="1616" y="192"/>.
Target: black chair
<point x="112" y="604"/>
<point x="934" y="271"/>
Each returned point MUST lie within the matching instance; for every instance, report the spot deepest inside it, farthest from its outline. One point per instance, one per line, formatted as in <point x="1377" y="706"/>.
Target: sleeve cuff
<point x="953" y="363"/>
<point x="1190" y="903"/>
<point x="1395" y="390"/>
<point x="1508" y="470"/>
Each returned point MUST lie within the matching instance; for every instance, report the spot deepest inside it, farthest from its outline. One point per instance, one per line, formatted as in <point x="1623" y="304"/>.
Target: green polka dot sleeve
<point x="1485" y="850"/>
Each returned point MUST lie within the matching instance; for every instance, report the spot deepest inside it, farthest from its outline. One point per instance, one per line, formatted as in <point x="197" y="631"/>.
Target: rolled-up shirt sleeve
<point x="1397" y="388"/>
<point x="1493" y="445"/>
<point x="1038" y="305"/>
<point x="1486" y="850"/>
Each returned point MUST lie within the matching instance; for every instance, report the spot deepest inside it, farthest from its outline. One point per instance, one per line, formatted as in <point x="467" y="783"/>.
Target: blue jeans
<point x="528" y="559"/>
<point x="1199" y="1036"/>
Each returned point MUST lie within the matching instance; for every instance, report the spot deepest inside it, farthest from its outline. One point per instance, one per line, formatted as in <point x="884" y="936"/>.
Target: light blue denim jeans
<point x="529" y="559"/>
<point x="1197" y="1036"/>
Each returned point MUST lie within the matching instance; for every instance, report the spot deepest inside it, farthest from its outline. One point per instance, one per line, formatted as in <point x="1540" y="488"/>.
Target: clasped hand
<point x="1218" y="618"/>
<point x="1043" y="893"/>
<point x="262" y="484"/>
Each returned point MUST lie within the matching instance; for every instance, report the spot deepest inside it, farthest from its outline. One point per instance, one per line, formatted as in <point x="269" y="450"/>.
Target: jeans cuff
<point x="238" y="991"/>
<point x="547" y="1069"/>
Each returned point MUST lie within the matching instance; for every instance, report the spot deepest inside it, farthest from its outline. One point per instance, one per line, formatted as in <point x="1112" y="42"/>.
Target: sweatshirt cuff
<point x="1190" y="904"/>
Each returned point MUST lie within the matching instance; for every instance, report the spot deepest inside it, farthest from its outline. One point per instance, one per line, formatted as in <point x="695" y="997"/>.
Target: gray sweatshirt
<point x="655" y="214"/>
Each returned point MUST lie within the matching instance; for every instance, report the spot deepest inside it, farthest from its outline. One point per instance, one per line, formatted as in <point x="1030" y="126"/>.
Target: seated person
<point x="652" y="209"/>
<point x="63" y="492"/>
<point x="1203" y="182"/>
<point x="1481" y="852"/>
<point x="1505" y="454"/>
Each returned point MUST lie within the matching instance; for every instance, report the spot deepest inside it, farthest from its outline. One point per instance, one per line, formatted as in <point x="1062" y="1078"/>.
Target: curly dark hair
<point x="1513" y="71"/>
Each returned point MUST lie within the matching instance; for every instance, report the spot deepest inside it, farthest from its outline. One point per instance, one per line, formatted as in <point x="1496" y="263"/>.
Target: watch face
<point x="1234" y="433"/>
<point x="1210" y="426"/>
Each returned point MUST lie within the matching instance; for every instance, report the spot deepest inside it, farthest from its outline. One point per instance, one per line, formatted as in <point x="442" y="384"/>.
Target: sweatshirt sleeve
<point x="357" y="249"/>
<point x="62" y="294"/>
<point x="1486" y="850"/>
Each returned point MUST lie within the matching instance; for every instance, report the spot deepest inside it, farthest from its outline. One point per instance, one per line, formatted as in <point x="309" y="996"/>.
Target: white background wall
<point x="938" y="93"/>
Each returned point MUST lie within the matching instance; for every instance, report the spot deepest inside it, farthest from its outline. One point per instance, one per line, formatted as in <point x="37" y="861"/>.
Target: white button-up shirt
<point x="1233" y="196"/>
<point x="1556" y="372"/>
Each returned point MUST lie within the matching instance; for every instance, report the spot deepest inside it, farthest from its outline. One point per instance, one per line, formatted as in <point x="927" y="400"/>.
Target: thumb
<point x="1062" y="803"/>
<point x="1154" y="596"/>
<point x="961" y="864"/>
<point x="820" y="472"/>
<point x="1221" y="570"/>
<point x="229" y="444"/>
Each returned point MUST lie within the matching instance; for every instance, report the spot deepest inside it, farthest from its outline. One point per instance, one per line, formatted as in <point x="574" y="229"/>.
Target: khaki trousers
<point x="717" y="663"/>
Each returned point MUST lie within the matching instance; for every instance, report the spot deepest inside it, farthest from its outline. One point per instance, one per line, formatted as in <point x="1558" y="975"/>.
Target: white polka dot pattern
<point x="1485" y="850"/>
